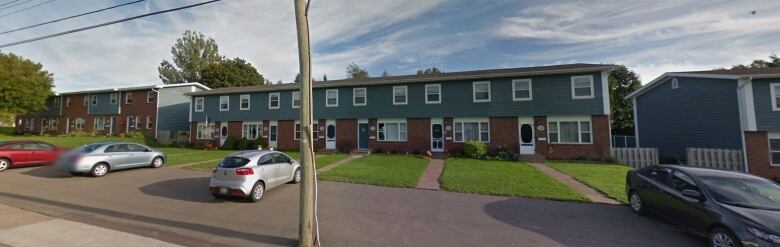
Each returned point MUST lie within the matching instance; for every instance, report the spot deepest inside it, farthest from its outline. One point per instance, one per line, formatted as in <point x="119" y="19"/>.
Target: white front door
<point x="437" y="135"/>
<point x="526" y="134"/>
<point x="223" y="133"/>
<point x="330" y="134"/>
<point x="273" y="131"/>
<point x="67" y="126"/>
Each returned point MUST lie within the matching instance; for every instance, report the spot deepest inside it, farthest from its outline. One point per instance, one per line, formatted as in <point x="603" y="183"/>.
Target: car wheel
<point x="157" y="162"/>
<point x="257" y="192"/>
<point x="720" y="237"/>
<point x="4" y="164"/>
<point x="297" y="176"/>
<point x="636" y="203"/>
<point x="99" y="170"/>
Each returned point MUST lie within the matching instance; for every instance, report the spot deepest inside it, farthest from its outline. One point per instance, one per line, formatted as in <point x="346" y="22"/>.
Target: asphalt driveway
<point x="174" y="205"/>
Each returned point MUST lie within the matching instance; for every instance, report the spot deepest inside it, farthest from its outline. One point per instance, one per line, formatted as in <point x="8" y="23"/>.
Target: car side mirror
<point x="693" y="194"/>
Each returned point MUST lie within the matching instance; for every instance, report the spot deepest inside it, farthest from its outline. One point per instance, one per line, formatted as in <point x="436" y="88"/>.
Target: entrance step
<point x="360" y="152"/>
<point x="440" y="155"/>
<point x="534" y="158"/>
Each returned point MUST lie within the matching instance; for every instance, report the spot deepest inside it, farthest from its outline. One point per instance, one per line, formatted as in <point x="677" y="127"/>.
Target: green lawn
<point x="610" y="179"/>
<point x="503" y="178"/>
<point x="320" y="159"/>
<point x="381" y="170"/>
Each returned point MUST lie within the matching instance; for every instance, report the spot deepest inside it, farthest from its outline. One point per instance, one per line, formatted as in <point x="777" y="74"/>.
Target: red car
<point x="27" y="153"/>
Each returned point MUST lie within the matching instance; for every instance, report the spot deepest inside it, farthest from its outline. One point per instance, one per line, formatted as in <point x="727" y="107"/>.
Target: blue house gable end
<point x="551" y="96"/>
<point x="767" y="119"/>
<point x="51" y="110"/>
<point x="104" y="105"/>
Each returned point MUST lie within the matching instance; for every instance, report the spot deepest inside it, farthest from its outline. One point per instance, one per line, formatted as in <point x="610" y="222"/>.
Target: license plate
<point x="223" y="190"/>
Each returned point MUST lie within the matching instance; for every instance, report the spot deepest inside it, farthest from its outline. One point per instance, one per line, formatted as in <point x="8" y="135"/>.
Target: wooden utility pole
<point x="306" y="233"/>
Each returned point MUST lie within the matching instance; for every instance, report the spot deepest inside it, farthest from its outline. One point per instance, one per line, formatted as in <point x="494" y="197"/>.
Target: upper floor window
<point x="569" y="131"/>
<point x="56" y="102"/>
<point x="128" y="98"/>
<point x="400" y="95"/>
<point x="332" y="98"/>
<point x="244" y="102"/>
<point x="86" y="100"/>
<point x="296" y="99"/>
<point x="582" y="87"/>
<point x="433" y="94"/>
<point x="359" y="97"/>
<point x="775" y="88"/>
<point x="94" y="99"/>
<point x="521" y="90"/>
<point x="675" y="83"/>
<point x="150" y="97"/>
<point x="481" y="90"/>
<point x="67" y="102"/>
<point x="472" y="130"/>
<point x="224" y="103"/>
<point x="199" y="104"/>
<point x="273" y="101"/>
<point x="114" y="97"/>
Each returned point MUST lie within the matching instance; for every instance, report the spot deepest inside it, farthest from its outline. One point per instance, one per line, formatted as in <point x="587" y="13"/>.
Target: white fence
<point x="723" y="159"/>
<point x="636" y="157"/>
<point x="164" y="137"/>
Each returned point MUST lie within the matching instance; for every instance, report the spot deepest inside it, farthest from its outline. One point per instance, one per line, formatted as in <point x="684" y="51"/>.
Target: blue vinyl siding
<point x="766" y="118"/>
<point x="551" y="96"/>
<point x="51" y="110"/>
<point x="172" y="111"/>
<point x="701" y="113"/>
<point x="104" y="106"/>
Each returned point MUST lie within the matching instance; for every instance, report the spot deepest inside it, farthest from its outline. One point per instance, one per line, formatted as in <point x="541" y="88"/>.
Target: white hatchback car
<point x="250" y="173"/>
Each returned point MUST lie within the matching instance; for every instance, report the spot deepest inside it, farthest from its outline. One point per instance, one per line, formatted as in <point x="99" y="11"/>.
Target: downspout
<point x="156" y="113"/>
<point x="748" y="79"/>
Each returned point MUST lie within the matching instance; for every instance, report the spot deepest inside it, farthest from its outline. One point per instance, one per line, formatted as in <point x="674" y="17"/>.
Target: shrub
<point x="135" y="134"/>
<point x="456" y="152"/>
<point x="242" y="144"/>
<point x="344" y="146"/>
<point x="230" y="143"/>
<point x="475" y="149"/>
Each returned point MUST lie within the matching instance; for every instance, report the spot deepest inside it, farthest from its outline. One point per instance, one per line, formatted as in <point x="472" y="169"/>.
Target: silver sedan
<point x="250" y="173"/>
<point x="98" y="159"/>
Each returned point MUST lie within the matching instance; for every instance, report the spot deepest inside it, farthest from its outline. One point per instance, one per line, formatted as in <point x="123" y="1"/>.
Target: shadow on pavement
<point x="213" y="230"/>
<point x="184" y="189"/>
<point x="46" y="172"/>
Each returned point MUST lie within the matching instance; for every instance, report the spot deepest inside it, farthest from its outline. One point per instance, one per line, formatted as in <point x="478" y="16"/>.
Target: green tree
<point x="774" y="61"/>
<point x="191" y="54"/>
<point x="24" y="85"/>
<point x="325" y="77"/>
<point x="622" y="81"/>
<point x="297" y="78"/>
<point x="231" y="73"/>
<point x="354" y="71"/>
<point x="430" y="71"/>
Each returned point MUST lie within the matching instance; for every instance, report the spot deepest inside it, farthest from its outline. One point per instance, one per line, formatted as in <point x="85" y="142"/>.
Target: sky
<point x="399" y="36"/>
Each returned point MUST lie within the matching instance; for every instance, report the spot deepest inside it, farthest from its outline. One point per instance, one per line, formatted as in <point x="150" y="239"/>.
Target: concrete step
<point x="360" y="152"/>
<point x="532" y="158"/>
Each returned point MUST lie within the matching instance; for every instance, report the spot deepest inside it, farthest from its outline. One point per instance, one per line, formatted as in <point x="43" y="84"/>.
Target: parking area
<point x="173" y="205"/>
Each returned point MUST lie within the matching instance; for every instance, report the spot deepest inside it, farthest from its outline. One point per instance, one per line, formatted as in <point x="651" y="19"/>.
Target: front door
<point x="526" y="133"/>
<point x="223" y="133"/>
<point x="363" y="135"/>
<point x="273" y="129"/>
<point x="437" y="135"/>
<point x="330" y="134"/>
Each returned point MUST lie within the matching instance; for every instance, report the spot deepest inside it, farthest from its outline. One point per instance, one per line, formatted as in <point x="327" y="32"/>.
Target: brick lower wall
<point x="757" y="145"/>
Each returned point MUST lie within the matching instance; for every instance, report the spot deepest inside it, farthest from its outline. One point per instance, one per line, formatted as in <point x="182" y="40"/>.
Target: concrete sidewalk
<point x="592" y="194"/>
<point x="430" y="177"/>
<point x="22" y="228"/>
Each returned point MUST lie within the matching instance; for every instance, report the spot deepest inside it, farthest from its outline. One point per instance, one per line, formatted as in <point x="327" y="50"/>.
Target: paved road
<point x="173" y="205"/>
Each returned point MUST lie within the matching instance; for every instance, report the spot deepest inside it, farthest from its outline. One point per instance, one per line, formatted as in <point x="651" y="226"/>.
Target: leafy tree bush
<point x="231" y="143"/>
<point x="243" y="144"/>
<point x="475" y="149"/>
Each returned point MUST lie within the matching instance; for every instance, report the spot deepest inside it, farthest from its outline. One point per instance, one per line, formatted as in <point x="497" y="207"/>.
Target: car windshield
<point x="233" y="162"/>
<point x="744" y="192"/>
<point x="88" y="148"/>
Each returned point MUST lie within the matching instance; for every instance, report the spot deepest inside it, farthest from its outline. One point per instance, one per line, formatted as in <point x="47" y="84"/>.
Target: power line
<point x="8" y="7"/>
<point x="1" y="5"/>
<point x="25" y="9"/>
<point x="104" y="24"/>
<point x="69" y="17"/>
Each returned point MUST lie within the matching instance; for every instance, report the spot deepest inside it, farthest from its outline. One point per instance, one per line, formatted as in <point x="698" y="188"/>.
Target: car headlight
<point x="764" y="235"/>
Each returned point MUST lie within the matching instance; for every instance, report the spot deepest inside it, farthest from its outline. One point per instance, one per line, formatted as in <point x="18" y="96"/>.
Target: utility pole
<point x="306" y="234"/>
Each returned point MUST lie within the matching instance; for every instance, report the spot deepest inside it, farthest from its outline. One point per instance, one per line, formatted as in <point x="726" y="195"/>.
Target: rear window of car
<point x="88" y="148"/>
<point x="233" y="162"/>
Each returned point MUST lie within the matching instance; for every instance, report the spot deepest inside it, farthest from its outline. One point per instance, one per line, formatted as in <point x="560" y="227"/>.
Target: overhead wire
<point x="25" y="9"/>
<point x="70" y="17"/>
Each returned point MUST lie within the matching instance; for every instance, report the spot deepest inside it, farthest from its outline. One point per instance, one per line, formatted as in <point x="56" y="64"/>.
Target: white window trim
<point x="278" y="100"/>
<point x="579" y="129"/>
<point x="770" y="137"/>
<point x="326" y="98"/>
<point x="426" y="94"/>
<point x="297" y="129"/>
<point x="149" y="96"/>
<point x="774" y="94"/>
<point x="149" y="122"/>
<point x="406" y="95"/>
<point x="392" y="121"/>
<point x="56" y="102"/>
<point x="530" y="90"/>
<point x="93" y="99"/>
<point x="114" y="98"/>
<point x="228" y="103"/>
<point x="592" y="86"/>
<point x="675" y="83"/>
<point x="259" y="126"/>
<point x="365" y="96"/>
<point x="474" y="91"/>
<point x="241" y="102"/>
<point x="87" y="99"/>
<point x="202" y="104"/>
<point x="206" y="127"/>
<point x="455" y="121"/>
<point x="128" y="98"/>
<point x="292" y="99"/>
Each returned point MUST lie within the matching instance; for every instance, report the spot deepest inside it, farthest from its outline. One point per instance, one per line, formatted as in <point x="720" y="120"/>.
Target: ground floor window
<point x="99" y="123"/>
<point x="250" y="130"/>
<point x="79" y="123"/>
<point x="298" y="131"/>
<point x="149" y="123"/>
<point x="54" y="124"/>
<point x="774" y="149"/>
<point x="472" y="130"/>
<point x="205" y="130"/>
<point x="391" y="130"/>
<point x="570" y="131"/>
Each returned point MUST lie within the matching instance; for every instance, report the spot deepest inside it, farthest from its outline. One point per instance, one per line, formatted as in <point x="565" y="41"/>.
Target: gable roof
<point x="732" y="74"/>
<point x="124" y="89"/>
<point x="461" y="75"/>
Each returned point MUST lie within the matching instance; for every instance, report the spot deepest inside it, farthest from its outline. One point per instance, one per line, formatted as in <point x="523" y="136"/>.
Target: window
<point x="391" y="130"/>
<point x="250" y="130"/>
<point x="114" y="98"/>
<point x="128" y="98"/>
<point x="296" y="99"/>
<point x="359" y="97"/>
<point x="775" y="90"/>
<point x="315" y="131"/>
<point x="199" y="104"/>
<point x="79" y="123"/>
<point x="658" y="174"/>
<point x="54" y="123"/>
<point x="86" y="100"/>
<point x="679" y="182"/>
<point x="332" y="98"/>
<point x="224" y="103"/>
<point x="57" y="102"/>
<point x="273" y="101"/>
<point x="582" y="87"/>
<point x="774" y="148"/>
<point x="297" y="135"/>
<point x="399" y="95"/>
<point x="472" y="130"/>
<point x="94" y="99"/>
<point x="205" y="130"/>
<point x="521" y="90"/>
<point x="67" y="102"/>
<point x="149" y="123"/>
<point x="481" y="90"/>
<point x="569" y="131"/>
<point x="433" y="94"/>
<point x="150" y="96"/>
<point x="675" y="83"/>
<point x="99" y="123"/>
<point x="244" y="102"/>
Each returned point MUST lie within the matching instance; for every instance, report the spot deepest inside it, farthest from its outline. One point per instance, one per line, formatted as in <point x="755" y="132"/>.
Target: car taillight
<point x="244" y="171"/>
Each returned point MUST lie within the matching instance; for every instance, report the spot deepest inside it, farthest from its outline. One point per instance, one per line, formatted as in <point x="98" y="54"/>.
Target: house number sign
<point x="540" y="127"/>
